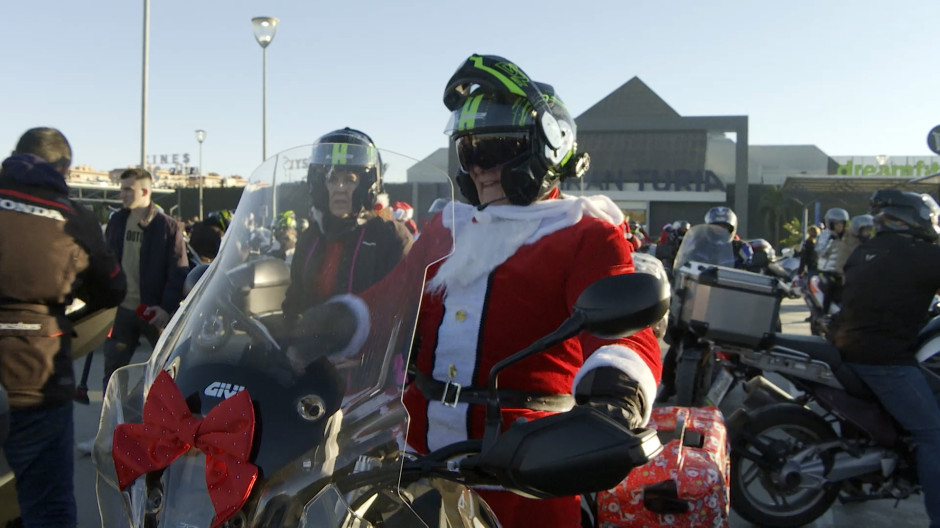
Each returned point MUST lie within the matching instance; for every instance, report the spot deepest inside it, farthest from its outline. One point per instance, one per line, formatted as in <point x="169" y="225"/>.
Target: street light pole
<point x="143" y="87"/>
<point x="200" y="137"/>
<point x="264" y="29"/>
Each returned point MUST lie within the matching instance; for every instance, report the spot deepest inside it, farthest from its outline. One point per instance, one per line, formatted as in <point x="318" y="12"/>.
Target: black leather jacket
<point x="889" y="283"/>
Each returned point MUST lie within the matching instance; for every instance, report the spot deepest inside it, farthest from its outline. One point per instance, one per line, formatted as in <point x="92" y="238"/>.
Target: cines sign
<point x="678" y="180"/>
<point x="900" y="167"/>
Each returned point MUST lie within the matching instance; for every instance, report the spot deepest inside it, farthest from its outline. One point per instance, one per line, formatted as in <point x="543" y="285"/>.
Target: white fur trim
<point x="485" y="239"/>
<point x="625" y="359"/>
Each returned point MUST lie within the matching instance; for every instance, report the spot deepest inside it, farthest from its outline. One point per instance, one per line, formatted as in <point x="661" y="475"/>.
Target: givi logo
<point x="218" y="389"/>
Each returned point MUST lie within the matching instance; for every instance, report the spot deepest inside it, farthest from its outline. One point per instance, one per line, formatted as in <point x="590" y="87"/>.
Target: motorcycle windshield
<point x="706" y="243"/>
<point x="323" y="371"/>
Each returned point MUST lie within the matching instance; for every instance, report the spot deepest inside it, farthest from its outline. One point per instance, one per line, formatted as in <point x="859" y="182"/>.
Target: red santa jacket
<point x="514" y="275"/>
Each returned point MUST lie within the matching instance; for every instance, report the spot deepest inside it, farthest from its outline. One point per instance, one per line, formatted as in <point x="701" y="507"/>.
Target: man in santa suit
<point x="523" y="254"/>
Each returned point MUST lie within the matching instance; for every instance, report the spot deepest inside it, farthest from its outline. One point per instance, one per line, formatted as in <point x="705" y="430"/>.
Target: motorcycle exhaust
<point x="808" y="468"/>
<point x="761" y="391"/>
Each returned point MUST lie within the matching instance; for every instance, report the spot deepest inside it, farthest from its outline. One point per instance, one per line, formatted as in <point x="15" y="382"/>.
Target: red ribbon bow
<point x="169" y="429"/>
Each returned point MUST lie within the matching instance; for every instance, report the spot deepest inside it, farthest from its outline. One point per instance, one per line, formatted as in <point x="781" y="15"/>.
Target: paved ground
<point x="879" y="513"/>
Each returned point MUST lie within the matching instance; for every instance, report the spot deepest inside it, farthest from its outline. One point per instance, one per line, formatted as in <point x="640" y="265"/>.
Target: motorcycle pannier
<point x="686" y="485"/>
<point x="726" y="304"/>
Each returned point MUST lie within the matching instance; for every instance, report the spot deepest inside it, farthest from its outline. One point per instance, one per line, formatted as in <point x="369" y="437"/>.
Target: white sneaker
<point x="84" y="448"/>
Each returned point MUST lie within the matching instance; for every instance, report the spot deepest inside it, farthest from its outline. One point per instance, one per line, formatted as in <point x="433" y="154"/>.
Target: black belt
<point x="451" y="393"/>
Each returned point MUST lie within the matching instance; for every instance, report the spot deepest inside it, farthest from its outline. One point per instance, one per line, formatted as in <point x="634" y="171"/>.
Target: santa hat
<point x="403" y="212"/>
<point x="381" y="202"/>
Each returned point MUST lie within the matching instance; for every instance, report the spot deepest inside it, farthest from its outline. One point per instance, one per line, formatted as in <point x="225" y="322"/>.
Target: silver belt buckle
<point x="447" y="388"/>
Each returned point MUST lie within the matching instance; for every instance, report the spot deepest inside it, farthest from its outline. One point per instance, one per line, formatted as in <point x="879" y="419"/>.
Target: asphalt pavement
<point x="908" y="513"/>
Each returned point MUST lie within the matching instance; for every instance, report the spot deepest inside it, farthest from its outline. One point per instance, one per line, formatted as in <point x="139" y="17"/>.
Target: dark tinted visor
<point x="490" y="150"/>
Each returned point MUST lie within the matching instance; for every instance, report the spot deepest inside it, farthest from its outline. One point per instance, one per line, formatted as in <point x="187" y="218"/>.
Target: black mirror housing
<point x="579" y="451"/>
<point x="621" y="305"/>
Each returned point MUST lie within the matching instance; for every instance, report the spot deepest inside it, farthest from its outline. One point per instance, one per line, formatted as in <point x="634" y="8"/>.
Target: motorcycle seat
<point x="818" y="348"/>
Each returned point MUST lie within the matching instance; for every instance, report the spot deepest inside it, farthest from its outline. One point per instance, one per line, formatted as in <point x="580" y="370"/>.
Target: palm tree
<point x="776" y="207"/>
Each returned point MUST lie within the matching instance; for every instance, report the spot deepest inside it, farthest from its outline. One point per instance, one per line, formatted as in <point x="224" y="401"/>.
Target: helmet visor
<point x="490" y="150"/>
<point x="344" y="154"/>
<point x="486" y="114"/>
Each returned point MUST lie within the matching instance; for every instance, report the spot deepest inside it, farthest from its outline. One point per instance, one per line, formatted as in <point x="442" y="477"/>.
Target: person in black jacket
<point x="51" y="251"/>
<point x="889" y="283"/>
<point x="150" y="246"/>
<point x="808" y="252"/>
<point x="347" y="247"/>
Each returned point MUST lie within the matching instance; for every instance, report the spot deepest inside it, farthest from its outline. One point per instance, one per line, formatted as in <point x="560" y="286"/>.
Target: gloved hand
<point x="612" y="392"/>
<point x="324" y="329"/>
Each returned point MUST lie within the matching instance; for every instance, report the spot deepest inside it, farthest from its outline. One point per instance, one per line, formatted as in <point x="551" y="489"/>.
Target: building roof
<point x="808" y="189"/>
<point x="430" y="168"/>
<point x="633" y="99"/>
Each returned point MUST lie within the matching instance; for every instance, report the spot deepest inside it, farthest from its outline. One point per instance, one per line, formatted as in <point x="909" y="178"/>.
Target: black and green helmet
<point x="351" y="150"/>
<point x="489" y="96"/>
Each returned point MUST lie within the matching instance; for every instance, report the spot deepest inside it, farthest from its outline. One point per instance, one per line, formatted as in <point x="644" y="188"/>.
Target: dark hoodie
<point x="51" y="250"/>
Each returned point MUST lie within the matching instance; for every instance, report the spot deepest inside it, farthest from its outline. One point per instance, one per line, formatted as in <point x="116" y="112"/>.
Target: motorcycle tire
<point x="757" y="493"/>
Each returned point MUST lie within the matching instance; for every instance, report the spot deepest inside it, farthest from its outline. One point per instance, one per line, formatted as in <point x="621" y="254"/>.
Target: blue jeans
<point x="905" y="393"/>
<point x="39" y="450"/>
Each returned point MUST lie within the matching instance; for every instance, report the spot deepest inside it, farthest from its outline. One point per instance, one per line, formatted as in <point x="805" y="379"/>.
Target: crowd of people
<point x="525" y="253"/>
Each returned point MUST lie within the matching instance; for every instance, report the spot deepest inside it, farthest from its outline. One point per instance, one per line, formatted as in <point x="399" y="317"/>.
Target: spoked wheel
<point x="760" y="491"/>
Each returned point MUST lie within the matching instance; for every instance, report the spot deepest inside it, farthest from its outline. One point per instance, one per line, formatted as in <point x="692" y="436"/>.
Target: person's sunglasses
<point x="488" y="151"/>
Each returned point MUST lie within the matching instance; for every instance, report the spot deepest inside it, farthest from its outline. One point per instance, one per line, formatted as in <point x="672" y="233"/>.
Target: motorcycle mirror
<point x="621" y="305"/>
<point x="579" y="451"/>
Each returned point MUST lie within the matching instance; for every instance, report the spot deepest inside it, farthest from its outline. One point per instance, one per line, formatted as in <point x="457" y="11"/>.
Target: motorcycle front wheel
<point x="760" y="493"/>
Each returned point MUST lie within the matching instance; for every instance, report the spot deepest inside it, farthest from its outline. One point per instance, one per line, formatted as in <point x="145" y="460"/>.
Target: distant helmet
<point x="681" y="227"/>
<point x="221" y="219"/>
<point x="836" y="214"/>
<point x="760" y="245"/>
<point x="906" y="212"/>
<point x="859" y="223"/>
<point x="285" y="222"/>
<point x="633" y="225"/>
<point x="499" y="116"/>
<point x="348" y="150"/>
<point x="260" y="240"/>
<point x="722" y="216"/>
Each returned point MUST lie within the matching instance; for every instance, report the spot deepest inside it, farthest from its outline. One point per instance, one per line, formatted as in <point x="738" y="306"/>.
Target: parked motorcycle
<point x="270" y="446"/>
<point x="814" y="291"/>
<point x="713" y="300"/>
<point x="793" y="456"/>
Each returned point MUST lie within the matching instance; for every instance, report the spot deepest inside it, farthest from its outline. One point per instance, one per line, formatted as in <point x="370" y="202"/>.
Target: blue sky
<point x="853" y="77"/>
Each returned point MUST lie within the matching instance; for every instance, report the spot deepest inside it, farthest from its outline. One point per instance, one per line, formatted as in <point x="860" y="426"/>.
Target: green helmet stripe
<point x="469" y="112"/>
<point x="507" y="82"/>
<point x="339" y="153"/>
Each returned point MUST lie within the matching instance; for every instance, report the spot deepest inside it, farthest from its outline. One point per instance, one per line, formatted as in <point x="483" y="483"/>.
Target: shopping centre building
<point x="660" y="166"/>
